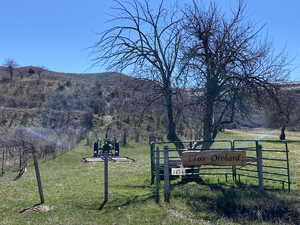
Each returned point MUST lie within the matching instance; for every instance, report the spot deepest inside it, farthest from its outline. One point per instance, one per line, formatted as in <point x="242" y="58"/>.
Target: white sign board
<point x="178" y="171"/>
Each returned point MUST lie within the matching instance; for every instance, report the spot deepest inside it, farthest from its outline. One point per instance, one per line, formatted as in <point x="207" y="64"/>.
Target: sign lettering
<point x="224" y="158"/>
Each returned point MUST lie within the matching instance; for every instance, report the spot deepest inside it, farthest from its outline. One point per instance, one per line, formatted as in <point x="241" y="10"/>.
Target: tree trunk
<point x="208" y="120"/>
<point x="124" y="139"/>
<point x="137" y="135"/>
<point x="282" y="134"/>
<point x="208" y="124"/>
<point x="11" y="73"/>
<point x="158" y="122"/>
<point x="172" y="135"/>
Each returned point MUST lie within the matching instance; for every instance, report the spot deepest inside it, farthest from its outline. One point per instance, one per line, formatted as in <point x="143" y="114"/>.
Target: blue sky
<point x="57" y="33"/>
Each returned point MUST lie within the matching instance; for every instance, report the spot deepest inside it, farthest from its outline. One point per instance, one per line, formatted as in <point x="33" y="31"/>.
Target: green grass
<point x="75" y="190"/>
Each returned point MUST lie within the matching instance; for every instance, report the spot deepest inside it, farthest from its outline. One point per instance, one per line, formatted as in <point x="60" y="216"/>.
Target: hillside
<point x="81" y="104"/>
<point x="91" y="105"/>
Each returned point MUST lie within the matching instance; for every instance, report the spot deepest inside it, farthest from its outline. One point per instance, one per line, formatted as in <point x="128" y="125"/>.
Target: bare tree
<point x="148" y="41"/>
<point x="280" y="108"/>
<point x="11" y="66"/>
<point x="229" y="62"/>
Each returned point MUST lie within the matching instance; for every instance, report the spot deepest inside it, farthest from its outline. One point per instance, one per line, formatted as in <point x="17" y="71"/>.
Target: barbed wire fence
<point x="23" y="147"/>
<point x="15" y="158"/>
<point x="16" y="149"/>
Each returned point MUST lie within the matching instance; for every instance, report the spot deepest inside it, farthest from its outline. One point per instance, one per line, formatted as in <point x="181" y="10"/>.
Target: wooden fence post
<point x="259" y="164"/>
<point x="157" y="175"/>
<point x="37" y="174"/>
<point x="166" y="175"/>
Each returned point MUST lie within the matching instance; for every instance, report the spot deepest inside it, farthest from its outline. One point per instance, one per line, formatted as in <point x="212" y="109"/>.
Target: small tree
<point x="280" y="108"/>
<point x="11" y="66"/>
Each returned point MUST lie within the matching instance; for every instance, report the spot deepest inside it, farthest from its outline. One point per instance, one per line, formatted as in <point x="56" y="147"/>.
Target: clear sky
<point x="57" y="33"/>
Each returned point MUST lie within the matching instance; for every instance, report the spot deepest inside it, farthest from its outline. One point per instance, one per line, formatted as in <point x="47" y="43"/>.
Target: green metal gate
<point x="267" y="161"/>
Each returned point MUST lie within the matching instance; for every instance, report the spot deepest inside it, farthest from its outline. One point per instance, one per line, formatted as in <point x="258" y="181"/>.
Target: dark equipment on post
<point x="96" y="149"/>
<point x="110" y="147"/>
<point x="117" y="149"/>
<point x="107" y="147"/>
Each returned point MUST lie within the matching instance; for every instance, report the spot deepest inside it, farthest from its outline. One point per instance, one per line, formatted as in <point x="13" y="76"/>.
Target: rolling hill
<point x="91" y="105"/>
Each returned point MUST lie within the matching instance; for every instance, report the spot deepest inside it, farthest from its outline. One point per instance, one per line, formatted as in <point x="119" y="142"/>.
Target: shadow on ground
<point x="241" y="204"/>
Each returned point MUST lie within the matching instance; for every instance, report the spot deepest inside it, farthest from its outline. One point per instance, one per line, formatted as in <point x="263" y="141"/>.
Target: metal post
<point x="157" y="175"/>
<point x="105" y="176"/>
<point x="37" y="174"/>
<point x="233" y="167"/>
<point x="288" y="165"/>
<point x="20" y="158"/>
<point x="166" y="175"/>
<point x="3" y="160"/>
<point x="152" y="163"/>
<point x="259" y="164"/>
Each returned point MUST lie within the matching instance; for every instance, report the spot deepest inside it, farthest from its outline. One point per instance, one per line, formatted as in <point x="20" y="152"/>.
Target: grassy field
<point x="74" y="190"/>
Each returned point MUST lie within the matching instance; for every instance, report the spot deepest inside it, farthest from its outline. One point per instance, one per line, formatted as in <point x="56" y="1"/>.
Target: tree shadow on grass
<point x="126" y="201"/>
<point x="241" y="204"/>
<point x="143" y="186"/>
<point x="102" y="205"/>
<point x="116" y="201"/>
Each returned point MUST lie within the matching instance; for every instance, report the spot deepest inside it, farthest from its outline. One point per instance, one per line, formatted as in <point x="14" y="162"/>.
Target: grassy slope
<point x="74" y="189"/>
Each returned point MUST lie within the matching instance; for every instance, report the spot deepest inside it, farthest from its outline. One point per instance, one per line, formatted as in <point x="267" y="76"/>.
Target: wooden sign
<point x="178" y="171"/>
<point x="224" y="158"/>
